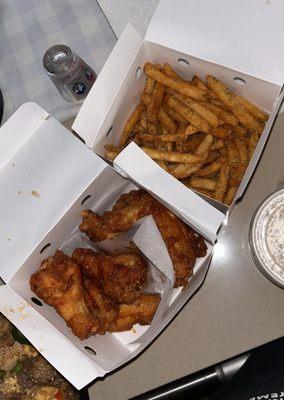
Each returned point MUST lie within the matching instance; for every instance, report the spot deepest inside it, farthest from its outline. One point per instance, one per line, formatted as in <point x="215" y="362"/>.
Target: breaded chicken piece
<point x="103" y="307"/>
<point x="183" y="246"/>
<point x="141" y="311"/>
<point x="122" y="276"/>
<point x="59" y="283"/>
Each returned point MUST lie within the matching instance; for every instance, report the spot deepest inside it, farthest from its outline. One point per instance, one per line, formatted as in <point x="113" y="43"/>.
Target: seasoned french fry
<point x="182" y="171"/>
<point x="130" y="124"/>
<point x="222" y="183"/>
<point x="191" y="116"/>
<point x="232" y="102"/>
<point x="213" y="156"/>
<point x="186" y="88"/>
<point x="174" y="115"/>
<point x="203" y="191"/>
<point x="172" y="156"/>
<point x="239" y="131"/>
<point x="190" y="130"/>
<point x="149" y="86"/>
<point x="146" y="98"/>
<point x="253" y="109"/>
<point x="143" y="119"/>
<point x="229" y="197"/>
<point x="153" y="129"/>
<point x="209" y="169"/>
<point x="192" y="142"/>
<point x="163" y="164"/>
<point x="204" y="147"/>
<point x="164" y="138"/>
<point x="242" y="150"/>
<point x="199" y="108"/>
<point x="166" y="121"/>
<point x="111" y="151"/>
<point x="199" y="83"/>
<point x="170" y="72"/>
<point x="252" y="142"/>
<point x="223" y="132"/>
<point x="164" y="116"/>
<point x="155" y="102"/>
<point x="203" y="183"/>
<point x="217" y="144"/>
<point x="236" y="175"/>
<point x="232" y="154"/>
<point x="223" y="114"/>
<point x="187" y="183"/>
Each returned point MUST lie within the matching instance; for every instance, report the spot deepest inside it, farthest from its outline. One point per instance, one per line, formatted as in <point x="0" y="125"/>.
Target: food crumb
<point x="9" y="239"/>
<point x="19" y="191"/>
<point x="35" y="194"/>
<point x="133" y="330"/>
<point x="13" y="164"/>
<point x="11" y="310"/>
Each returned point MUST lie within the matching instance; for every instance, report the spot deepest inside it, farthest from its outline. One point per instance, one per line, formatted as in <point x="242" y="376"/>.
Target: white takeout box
<point x="47" y="176"/>
<point x="236" y="41"/>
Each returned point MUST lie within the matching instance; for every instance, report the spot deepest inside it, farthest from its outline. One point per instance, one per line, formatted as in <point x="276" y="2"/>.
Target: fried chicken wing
<point x="141" y="311"/>
<point x="103" y="307"/>
<point x="183" y="244"/>
<point x="59" y="283"/>
<point x="123" y="275"/>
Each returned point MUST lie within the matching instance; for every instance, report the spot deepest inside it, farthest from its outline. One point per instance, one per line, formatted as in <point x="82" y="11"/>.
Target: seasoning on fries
<point x="201" y="132"/>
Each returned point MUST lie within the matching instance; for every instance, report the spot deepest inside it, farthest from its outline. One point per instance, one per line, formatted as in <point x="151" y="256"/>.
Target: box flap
<point x="244" y="35"/>
<point x="13" y="135"/>
<point x="206" y="219"/>
<point x="46" y="171"/>
<point x="107" y="85"/>
<point x="79" y="369"/>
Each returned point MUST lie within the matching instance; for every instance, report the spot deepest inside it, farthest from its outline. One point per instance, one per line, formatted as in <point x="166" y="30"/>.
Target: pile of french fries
<point x="200" y="132"/>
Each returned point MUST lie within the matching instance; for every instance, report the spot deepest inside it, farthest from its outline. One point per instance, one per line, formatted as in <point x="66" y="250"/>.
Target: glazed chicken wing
<point x="103" y="307"/>
<point x="122" y="275"/>
<point x="141" y="311"/>
<point x="59" y="283"/>
<point x="183" y="244"/>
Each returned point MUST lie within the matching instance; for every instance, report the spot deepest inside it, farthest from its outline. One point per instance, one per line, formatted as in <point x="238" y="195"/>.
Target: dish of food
<point x="24" y="373"/>
<point x="200" y="132"/>
<point x="99" y="292"/>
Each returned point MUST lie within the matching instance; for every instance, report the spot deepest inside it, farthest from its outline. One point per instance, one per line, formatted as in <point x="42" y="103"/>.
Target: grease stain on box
<point x="35" y="194"/>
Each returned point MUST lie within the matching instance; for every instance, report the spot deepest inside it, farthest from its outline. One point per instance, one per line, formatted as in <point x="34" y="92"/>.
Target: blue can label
<point x="79" y="88"/>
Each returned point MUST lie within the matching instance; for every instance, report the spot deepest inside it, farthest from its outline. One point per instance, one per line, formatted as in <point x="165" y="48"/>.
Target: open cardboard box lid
<point x="244" y="35"/>
<point x="43" y="170"/>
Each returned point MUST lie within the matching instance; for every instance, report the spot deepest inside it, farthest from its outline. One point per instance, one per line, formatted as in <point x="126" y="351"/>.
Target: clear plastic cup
<point x="70" y="74"/>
